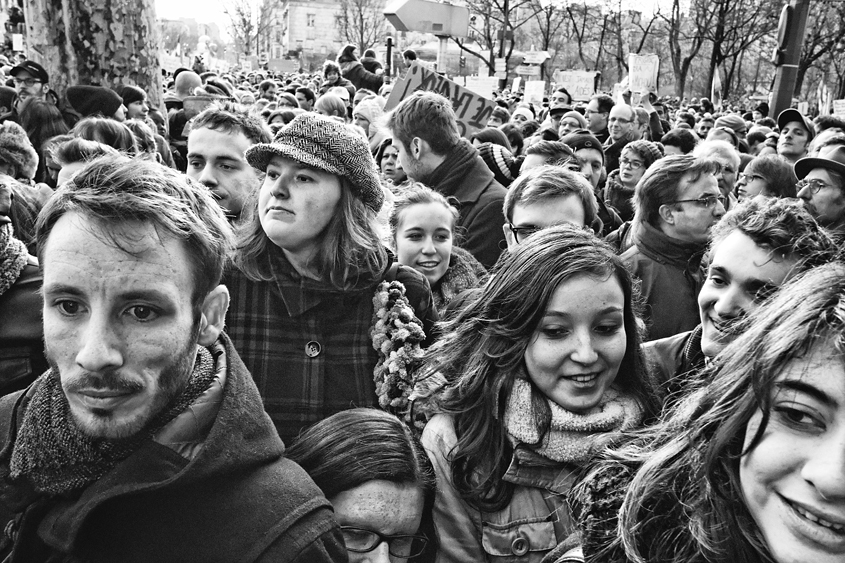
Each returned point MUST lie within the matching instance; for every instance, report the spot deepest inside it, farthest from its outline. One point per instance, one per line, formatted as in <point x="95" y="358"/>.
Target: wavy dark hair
<point x="356" y="446"/>
<point x="482" y="351"/>
<point x="685" y="501"/>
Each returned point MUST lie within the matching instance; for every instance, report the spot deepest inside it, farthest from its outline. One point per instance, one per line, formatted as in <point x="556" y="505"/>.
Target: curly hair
<point x="483" y="347"/>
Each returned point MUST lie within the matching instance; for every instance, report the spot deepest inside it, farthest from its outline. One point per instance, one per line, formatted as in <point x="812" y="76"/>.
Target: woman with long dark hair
<point x="543" y="368"/>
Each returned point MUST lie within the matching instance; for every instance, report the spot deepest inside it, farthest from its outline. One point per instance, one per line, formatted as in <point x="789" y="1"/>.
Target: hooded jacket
<point x="182" y="496"/>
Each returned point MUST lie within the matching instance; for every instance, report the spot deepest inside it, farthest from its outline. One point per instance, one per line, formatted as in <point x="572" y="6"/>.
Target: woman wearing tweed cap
<point x="306" y="272"/>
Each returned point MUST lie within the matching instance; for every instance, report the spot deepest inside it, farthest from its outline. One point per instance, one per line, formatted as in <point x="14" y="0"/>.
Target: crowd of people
<point x="275" y="322"/>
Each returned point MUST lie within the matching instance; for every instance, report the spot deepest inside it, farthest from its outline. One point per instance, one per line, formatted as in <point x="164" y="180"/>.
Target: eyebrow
<point x="605" y="311"/>
<point x="60" y="288"/>
<point x="750" y="284"/>
<point x="807" y="389"/>
<point x="213" y="157"/>
<point x="131" y="295"/>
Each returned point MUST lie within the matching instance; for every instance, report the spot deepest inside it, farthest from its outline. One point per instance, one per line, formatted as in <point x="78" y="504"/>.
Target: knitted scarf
<point x="452" y="172"/>
<point x="465" y="272"/>
<point x="571" y="437"/>
<point x="57" y="458"/>
<point x="13" y="257"/>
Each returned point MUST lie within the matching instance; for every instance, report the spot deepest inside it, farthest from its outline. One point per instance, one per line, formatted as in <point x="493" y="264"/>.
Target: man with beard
<point x="822" y="188"/>
<point x="425" y="132"/>
<point x="146" y="440"/>
<point x="754" y="249"/>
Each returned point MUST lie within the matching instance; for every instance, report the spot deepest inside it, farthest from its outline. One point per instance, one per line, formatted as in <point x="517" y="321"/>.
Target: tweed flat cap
<point x="327" y="145"/>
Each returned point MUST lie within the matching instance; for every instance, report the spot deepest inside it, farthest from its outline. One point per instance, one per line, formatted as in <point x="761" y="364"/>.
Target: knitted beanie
<point x="17" y="150"/>
<point x="577" y="117"/>
<point x="132" y="94"/>
<point x="647" y="150"/>
<point x="91" y="100"/>
<point x="732" y="121"/>
<point x="369" y="109"/>
<point x="500" y="161"/>
<point x="582" y="139"/>
<point x="325" y="144"/>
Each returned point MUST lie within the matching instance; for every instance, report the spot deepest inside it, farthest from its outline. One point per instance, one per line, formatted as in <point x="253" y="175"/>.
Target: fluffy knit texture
<point x="13" y="257"/>
<point x="465" y="272"/>
<point x="571" y="437"/>
<point x="57" y="458"/>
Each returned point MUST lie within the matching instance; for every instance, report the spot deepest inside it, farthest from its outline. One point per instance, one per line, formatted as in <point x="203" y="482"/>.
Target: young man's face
<point x="693" y="219"/>
<point x="216" y="160"/>
<point x="793" y="141"/>
<point x="29" y="86"/>
<point x="119" y="324"/>
<point x="304" y="102"/>
<point x="528" y="219"/>
<point x="741" y="275"/>
<point x="596" y="119"/>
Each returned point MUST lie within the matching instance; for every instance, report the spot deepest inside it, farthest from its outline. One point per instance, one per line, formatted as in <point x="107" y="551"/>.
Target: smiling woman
<point x="751" y="467"/>
<point x="543" y="368"/>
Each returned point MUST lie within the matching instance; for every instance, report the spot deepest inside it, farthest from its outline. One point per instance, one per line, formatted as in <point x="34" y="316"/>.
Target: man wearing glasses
<point x="676" y="203"/>
<point x="623" y="128"/>
<point x="822" y="188"/>
<point x="597" y="113"/>
<point x="31" y="81"/>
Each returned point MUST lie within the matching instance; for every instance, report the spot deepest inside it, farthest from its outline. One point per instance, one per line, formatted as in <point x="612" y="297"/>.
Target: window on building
<point x="311" y="20"/>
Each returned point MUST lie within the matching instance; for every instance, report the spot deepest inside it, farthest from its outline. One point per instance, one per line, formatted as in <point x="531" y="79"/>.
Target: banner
<point x="534" y="90"/>
<point x="283" y="65"/>
<point x="471" y="109"/>
<point x="642" y="73"/>
<point x="579" y="83"/>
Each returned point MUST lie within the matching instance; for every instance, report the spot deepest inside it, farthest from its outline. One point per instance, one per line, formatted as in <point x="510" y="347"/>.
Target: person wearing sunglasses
<point x="822" y="188"/>
<point x="31" y="81"/>
<point x="676" y="203"/>
<point x="379" y="480"/>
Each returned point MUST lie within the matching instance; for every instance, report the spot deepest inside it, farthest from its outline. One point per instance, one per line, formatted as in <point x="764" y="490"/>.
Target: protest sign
<point x="579" y="83"/>
<point x="283" y="65"/>
<point x="516" y="83"/>
<point x="642" y="72"/>
<point x="839" y="107"/>
<point x="534" y="90"/>
<point x="471" y="109"/>
<point x="483" y="85"/>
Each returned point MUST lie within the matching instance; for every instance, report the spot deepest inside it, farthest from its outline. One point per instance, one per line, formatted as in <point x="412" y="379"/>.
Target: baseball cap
<point x="33" y="68"/>
<point x="791" y="114"/>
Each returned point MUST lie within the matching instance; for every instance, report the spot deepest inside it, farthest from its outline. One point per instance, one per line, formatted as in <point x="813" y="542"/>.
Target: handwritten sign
<point x="579" y="83"/>
<point x="838" y="107"/>
<point x="642" y="72"/>
<point x="472" y="110"/>
<point x="483" y="85"/>
<point x="283" y="65"/>
<point x="534" y="90"/>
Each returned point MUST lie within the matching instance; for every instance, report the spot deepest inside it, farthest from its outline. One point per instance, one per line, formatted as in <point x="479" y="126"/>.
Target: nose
<point x="825" y="466"/>
<point x="379" y="555"/>
<point x="719" y="209"/>
<point x="804" y="193"/>
<point x="729" y="303"/>
<point x="584" y="352"/>
<point x="100" y="348"/>
<point x="207" y="176"/>
<point x="428" y="246"/>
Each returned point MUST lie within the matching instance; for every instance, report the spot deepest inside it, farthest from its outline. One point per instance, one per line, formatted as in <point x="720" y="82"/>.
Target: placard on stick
<point x="579" y="83"/>
<point x="472" y="110"/>
<point x="642" y="72"/>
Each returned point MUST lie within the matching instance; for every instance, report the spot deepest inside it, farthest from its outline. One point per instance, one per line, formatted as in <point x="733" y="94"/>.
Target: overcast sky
<point x="204" y="11"/>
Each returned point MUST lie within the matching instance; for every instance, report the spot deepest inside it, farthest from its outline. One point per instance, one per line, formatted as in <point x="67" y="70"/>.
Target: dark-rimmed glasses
<point x="633" y="164"/>
<point x="404" y="546"/>
<point x="522" y="233"/>
<point x="815" y="185"/>
<point x="27" y="81"/>
<point x="708" y="201"/>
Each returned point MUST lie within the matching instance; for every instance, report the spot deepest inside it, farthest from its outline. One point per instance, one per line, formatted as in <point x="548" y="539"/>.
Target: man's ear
<point x="667" y="213"/>
<point x="509" y="238"/>
<point x="418" y="146"/>
<point x="213" y="315"/>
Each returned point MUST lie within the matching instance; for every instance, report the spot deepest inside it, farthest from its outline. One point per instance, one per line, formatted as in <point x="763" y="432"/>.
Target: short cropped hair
<point x="605" y="102"/>
<point x="663" y="181"/>
<point x="550" y="182"/>
<point x="781" y="226"/>
<point x="409" y="54"/>
<point x="553" y="151"/>
<point x="426" y="115"/>
<point x="307" y="92"/>
<point x="113" y="189"/>
<point x="265" y="85"/>
<point x="227" y="121"/>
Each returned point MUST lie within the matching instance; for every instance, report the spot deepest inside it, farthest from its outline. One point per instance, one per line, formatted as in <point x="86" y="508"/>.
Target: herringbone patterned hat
<point x="324" y="144"/>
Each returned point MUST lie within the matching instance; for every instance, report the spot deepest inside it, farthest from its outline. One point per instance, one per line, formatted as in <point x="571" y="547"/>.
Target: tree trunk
<point x="105" y="42"/>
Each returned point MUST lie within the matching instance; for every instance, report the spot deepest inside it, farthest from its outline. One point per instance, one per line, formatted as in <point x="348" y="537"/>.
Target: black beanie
<point x="583" y="139"/>
<point x="91" y="100"/>
<point x="132" y="94"/>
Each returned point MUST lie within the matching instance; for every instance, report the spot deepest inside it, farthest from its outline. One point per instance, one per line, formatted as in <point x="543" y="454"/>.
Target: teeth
<point x="819" y="521"/>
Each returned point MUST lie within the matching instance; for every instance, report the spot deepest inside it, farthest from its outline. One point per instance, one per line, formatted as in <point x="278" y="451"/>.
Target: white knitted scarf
<point x="571" y="437"/>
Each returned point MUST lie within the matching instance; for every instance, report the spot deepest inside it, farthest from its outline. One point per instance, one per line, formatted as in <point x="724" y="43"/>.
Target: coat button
<point x="520" y="546"/>
<point x="313" y="349"/>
